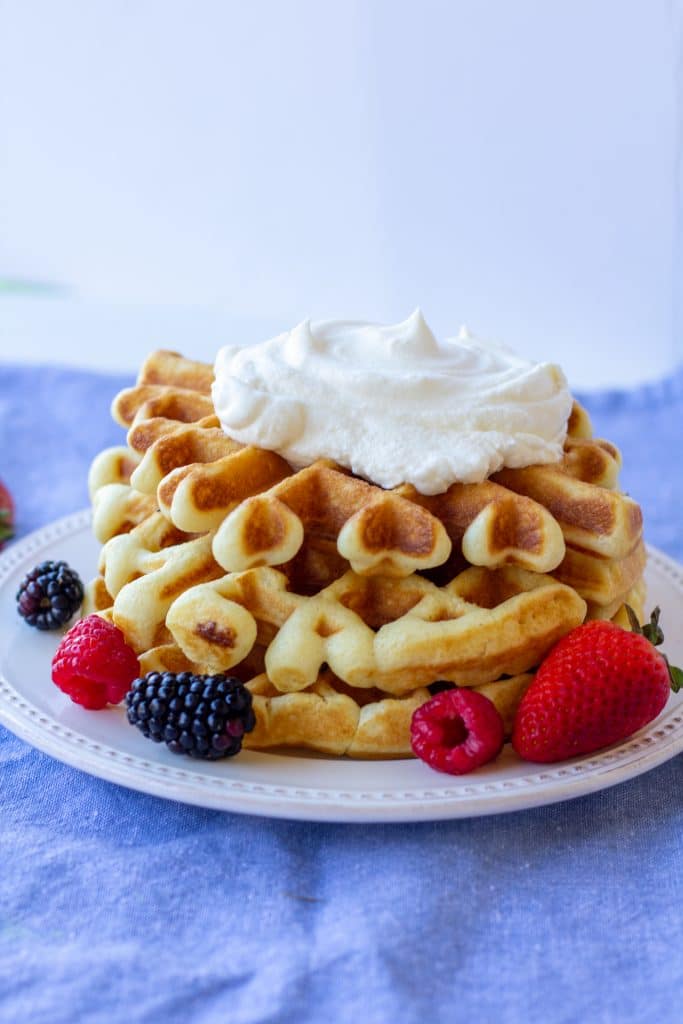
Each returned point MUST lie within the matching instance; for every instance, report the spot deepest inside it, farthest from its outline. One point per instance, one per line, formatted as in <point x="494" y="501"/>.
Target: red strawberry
<point x="598" y="685"/>
<point x="6" y="515"/>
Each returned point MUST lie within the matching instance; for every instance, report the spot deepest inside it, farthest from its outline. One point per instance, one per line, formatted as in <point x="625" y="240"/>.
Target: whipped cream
<point x="392" y="403"/>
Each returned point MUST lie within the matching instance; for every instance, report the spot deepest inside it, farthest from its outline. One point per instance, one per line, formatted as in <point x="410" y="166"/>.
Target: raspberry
<point x="202" y="716"/>
<point x="457" y="731"/>
<point x="49" y="595"/>
<point x="93" y="664"/>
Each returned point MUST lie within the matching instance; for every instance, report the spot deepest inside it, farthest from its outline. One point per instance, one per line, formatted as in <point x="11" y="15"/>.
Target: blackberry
<point x="49" y="595"/>
<point x="440" y="686"/>
<point x="202" y="716"/>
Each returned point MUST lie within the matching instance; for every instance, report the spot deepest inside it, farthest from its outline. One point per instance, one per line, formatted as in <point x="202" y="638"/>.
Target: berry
<point x="457" y="731"/>
<point x="598" y="685"/>
<point x="49" y="595"/>
<point x="202" y="716"/>
<point x="6" y="515"/>
<point x="94" y="665"/>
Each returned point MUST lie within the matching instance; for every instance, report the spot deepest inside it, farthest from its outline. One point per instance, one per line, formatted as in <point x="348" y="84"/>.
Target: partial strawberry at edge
<point x="6" y="515"/>
<point x="598" y="685"/>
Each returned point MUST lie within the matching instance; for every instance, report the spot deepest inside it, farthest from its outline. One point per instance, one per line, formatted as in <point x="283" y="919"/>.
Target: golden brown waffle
<point x="158" y="401"/>
<point x="579" y="425"/>
<point x="577" y="492"/>
<point x="506" y="694"/>
<point x="380" y="534"/>
<point x="335" y="719"/>
<point x="391" y="634"/>
<point x="197" y="473"/>
<point x="377" y="531"/>
<point x="117" y="507"/>
<point x="331" y="717"/>
<point x="112" y="466"/>
<point x="168" y="368"/>
<point x="146" y="570"/>
<point x="328" y="716"/>
<point x="491" y="526"/>
<point x="616" y="611"/>
<point x="96" y="598"/>
<point x="602" y="581"/>
<point x="339" y="642"/>
<point x="168" y="385"/>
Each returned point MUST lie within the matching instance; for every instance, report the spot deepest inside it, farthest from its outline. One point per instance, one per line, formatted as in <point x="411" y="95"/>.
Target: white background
<point x="201" y="172"/>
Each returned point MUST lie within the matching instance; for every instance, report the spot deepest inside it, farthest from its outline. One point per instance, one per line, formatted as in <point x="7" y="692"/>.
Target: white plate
<point x="294" y="786"/>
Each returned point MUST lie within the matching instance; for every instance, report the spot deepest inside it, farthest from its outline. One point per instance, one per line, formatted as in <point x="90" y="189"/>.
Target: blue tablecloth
<point x="116" y="906"/>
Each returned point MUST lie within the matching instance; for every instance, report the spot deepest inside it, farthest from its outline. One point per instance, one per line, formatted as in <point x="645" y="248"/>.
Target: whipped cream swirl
<point x="392" y="403"/>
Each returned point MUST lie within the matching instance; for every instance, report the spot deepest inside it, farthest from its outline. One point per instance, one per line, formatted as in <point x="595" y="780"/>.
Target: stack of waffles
<point x="341" y="605"/>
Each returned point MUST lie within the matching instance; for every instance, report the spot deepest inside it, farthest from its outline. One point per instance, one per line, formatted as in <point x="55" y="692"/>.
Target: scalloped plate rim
<point x="465" y="796"/>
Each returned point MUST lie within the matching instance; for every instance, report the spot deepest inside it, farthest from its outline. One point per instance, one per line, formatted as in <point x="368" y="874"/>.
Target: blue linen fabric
<point x="115" y="906"/>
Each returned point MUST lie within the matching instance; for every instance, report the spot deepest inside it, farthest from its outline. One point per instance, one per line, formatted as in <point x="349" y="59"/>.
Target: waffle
<point x="339" y="603"/>
<point x="146" y="569"/>
<point x="198" y="474"/>
<point x="377" y="632"/>
<point x="117" y="506"/>
<point x="159" y="401"/>
<point x="602" y="580"/>
<point x="332" y="718"/>
<point x="327" y="717"/>
<point x="579" y="493"/>
<point x="491" y="526"/>
<point x="378" y="532"/>
<point x="616" y="610"/>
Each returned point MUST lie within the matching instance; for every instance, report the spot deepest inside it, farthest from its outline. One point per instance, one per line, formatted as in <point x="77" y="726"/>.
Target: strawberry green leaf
<point x="633" y="619"/>
<point x="675" y="675"/>
<point x="653" y="631"/>
<point x="5" y="525"/>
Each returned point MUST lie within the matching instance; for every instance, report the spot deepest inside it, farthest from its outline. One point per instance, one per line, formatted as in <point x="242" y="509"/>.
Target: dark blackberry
<point x="440" y="686"/>
<point x="202" y="716"/>
<point x="49" y="595"/>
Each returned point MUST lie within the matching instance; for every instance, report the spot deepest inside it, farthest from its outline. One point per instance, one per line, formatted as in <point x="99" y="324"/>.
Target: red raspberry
<point x="93" y="664"/>
<point x="457" y="731"/>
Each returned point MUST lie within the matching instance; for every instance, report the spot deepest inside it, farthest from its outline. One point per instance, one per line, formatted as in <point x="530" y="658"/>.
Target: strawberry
<point x="598" y="685"/>
<point x="6" y="515"/>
